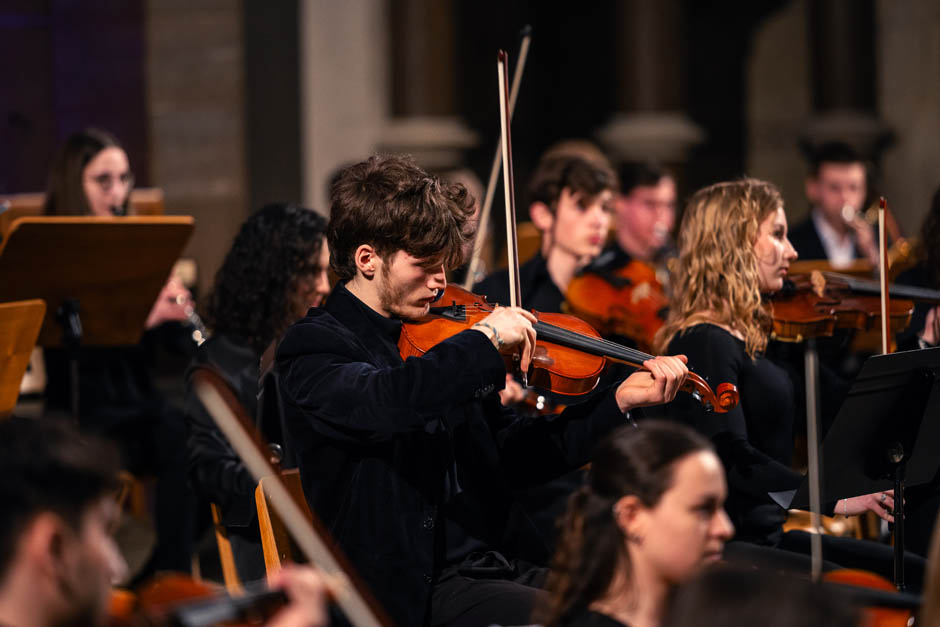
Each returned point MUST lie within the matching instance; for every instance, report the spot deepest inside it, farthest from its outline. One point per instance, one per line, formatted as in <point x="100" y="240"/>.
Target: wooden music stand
<point x="146" y="201"/>
<point x="19" y="328"/>
<point x="98" y="276"/>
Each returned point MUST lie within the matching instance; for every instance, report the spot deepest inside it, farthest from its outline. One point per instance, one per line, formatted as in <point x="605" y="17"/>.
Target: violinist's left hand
<point x="307" y="592"/>
<point x="882" y="503"/>
<point x="657" y="384"/>
<point x="931" y="331"/>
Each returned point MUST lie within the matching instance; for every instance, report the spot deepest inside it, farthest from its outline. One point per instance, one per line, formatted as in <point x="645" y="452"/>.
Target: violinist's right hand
<point x="509" y="329"/>
<point x="307" y="592"/>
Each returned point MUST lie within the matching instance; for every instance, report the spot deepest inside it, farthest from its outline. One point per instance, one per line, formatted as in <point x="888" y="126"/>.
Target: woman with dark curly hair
<point x="649" y="516"/>
<point x="275" y="270"/>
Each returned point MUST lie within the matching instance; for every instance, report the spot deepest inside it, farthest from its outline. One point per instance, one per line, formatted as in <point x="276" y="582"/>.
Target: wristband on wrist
<point x="499" y="341"/>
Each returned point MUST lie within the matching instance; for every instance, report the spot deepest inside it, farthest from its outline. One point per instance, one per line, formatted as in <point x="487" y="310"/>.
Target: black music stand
<point x="886" y="435"/>
<point x="99" y="276"/>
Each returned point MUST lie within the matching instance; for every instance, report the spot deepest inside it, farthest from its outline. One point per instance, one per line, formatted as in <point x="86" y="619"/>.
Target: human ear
<point x="811" y="187"/>
<point x="45" y="544"/>
<point x="366" y="260"/>
<point x="628" y="512"/>
<point x="542" y="217"/>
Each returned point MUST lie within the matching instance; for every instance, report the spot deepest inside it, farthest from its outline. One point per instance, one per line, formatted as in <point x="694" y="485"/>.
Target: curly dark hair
<point x="251" y="297"/>
<point x="630" y="461"/>
<point x="392" y="204"/>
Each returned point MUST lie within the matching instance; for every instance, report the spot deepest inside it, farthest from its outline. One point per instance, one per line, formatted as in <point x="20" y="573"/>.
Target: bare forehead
<point x="842" y="171"/>
<point x="697" y="473"/>
<point x="109" y="159"/>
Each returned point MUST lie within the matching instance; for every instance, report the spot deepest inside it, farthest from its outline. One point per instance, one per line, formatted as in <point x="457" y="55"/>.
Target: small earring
<point x="635" y="538"/>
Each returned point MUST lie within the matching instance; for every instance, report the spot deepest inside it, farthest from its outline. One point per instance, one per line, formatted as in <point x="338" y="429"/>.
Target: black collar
<point x="360" y="318"/>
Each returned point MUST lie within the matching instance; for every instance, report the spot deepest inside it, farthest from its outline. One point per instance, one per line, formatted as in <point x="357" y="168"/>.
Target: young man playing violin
<point x="58" y="559"/>
<point x="632" y="266"/>
<point x="571" y="202"/>
<point x="411" y="463"/>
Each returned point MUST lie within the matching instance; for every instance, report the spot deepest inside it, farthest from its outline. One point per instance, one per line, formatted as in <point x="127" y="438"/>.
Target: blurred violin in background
<point x="630" y="301"/>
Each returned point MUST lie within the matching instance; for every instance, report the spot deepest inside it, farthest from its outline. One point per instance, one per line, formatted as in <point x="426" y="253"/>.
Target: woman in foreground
<point x="649" y="516"/>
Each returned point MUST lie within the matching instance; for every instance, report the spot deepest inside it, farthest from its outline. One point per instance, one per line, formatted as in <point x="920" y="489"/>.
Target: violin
<point x="813" y="306"/>
<point x="569" y="356"/>
<point x="630" y="301"/>
<point x="175" y="599"/>
<point x="882" y="605"/>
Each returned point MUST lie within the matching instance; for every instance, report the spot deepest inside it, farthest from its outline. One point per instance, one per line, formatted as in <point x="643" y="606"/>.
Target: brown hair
<point x="716" y="279"/>
<point x="391" y="204"/>
<point x="591" y="548"/>
<point x="65" y="194"/>
<point x="556" y="172"/>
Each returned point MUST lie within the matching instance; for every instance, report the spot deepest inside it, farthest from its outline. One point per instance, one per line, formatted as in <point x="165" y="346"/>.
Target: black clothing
<point x="754" y="440"/>
<point x="118" y="400"/>
<point x="544" y="504"/>
<point x="397" y="457"/>
<point x="611" y="259"/>
<point x="590" y="618"/>
<point x="539" y="291"/>
<point x="216" y="471"/>
<point x="916" y="277"/>
<point x="466" y="595"/>
<point x="805" y="239"/>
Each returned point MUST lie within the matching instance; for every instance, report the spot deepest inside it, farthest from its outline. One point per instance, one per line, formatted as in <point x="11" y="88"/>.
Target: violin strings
<point x="579" y="340"/>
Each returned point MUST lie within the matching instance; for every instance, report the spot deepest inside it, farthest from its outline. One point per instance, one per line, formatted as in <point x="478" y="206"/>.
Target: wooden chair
<point x="233" y="583"/>
<point x="20" y="322"/>
<point x="275" y="542"/>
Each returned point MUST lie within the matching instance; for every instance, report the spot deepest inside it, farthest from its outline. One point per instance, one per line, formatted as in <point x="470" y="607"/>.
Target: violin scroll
<point x="722" y="400"/>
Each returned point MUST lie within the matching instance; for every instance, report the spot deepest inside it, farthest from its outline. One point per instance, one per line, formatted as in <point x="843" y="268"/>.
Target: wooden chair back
<point x="20" y="322"/>
<point x="233" y="583"/>
<point x="275" y="541"/>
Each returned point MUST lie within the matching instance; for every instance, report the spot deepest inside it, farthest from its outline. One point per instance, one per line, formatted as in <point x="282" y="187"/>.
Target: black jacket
<point x="216" y="471"/>
<point x="539" y="291"/>
<point x="408" y="462"/>
<point x="805" y="239"/>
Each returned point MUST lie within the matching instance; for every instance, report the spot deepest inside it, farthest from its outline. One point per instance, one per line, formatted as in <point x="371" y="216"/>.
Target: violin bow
<point x="811" y="365"/>
<point x="484" y="218"/>
<point x="311" y="535"/>
<point x="509" y="189"/>
<point x="883" y="276"/>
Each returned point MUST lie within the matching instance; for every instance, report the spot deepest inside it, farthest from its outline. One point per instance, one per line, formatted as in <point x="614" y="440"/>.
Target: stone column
<point x="842" y="70"/>
<point x="423" y="87"/>
<point x="651" y="122"/>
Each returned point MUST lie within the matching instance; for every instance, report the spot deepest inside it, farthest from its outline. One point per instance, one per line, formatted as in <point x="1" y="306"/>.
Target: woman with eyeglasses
<point x="118" y="395"/>
<point x="91" y="176"/>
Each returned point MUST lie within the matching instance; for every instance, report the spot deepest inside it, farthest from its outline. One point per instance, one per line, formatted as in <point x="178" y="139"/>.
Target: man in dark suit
<point x="836" y="188"/>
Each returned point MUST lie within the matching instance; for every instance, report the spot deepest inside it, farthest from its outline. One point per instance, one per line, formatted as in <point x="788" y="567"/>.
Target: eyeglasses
<point x="107" y="181"/>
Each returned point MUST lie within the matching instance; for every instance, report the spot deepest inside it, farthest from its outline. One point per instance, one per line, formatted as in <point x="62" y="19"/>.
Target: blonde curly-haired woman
<point x="734" y="251"/>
